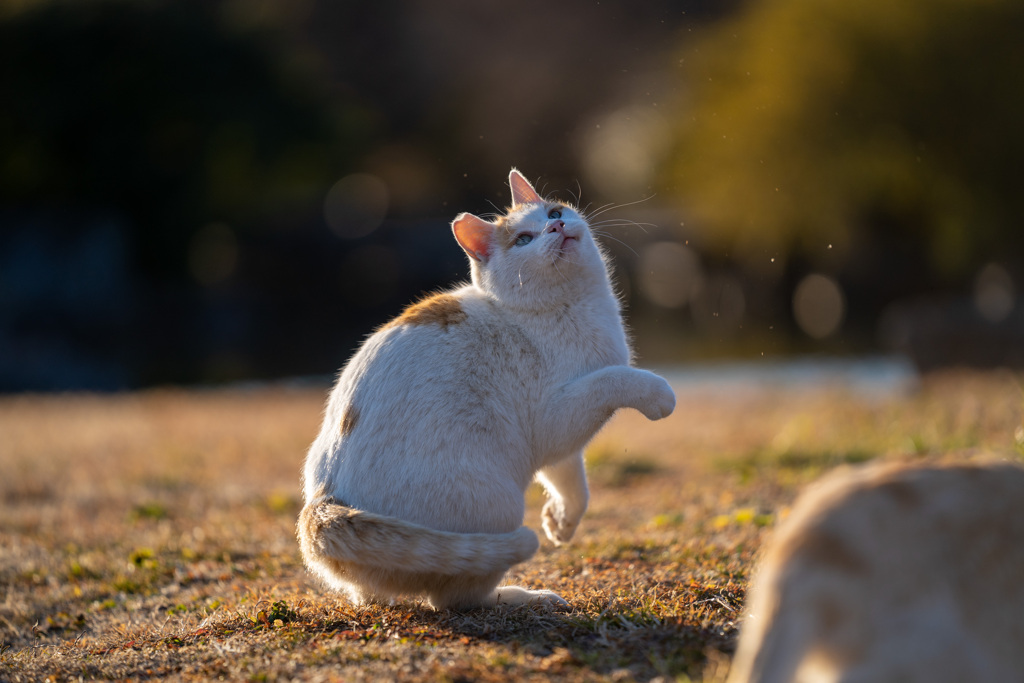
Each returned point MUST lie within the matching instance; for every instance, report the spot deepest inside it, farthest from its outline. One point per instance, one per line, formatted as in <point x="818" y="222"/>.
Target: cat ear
<point x="522" y="190"/>
<point x="474" y="235"/>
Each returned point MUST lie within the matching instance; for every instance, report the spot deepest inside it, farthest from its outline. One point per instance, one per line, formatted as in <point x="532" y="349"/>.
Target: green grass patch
<point x="800" y="465"/>
<point x="617" y="468"/>
<point x="150" y="510"/>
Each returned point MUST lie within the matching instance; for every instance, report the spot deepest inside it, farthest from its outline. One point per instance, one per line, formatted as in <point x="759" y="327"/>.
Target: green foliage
<point x="79" y="572"/>
<point x="149" y="510"/>
<point x="282" y="503"/>
<point x="607" y="466"/>
<point x="278" y="614"/>
<point x="280" y="610"/>
<point x="143" y="557"/>
<point x="802" y="465"/>
<point x="856" y="125"/>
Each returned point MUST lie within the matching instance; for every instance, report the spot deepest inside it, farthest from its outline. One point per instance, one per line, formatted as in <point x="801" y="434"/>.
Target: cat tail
<point x="332" y="531"/>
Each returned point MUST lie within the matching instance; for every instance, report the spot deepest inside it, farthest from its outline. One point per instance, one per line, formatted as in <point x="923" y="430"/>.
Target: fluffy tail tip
<point x="526" y="542"/>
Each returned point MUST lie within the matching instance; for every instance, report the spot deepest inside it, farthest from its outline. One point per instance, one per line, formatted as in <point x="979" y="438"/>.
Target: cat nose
<point x="555" y="226"/>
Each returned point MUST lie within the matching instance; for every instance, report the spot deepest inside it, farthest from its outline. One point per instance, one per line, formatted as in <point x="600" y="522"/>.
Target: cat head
<point x="538" y="255"/>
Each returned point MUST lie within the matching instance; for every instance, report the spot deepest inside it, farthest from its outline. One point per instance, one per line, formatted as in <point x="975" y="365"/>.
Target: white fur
<point x="455" y="421"/>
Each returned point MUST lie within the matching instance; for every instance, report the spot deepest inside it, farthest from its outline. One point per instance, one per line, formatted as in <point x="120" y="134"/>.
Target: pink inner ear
<point x="474" y="235"/>
<point x="522" y="190"/>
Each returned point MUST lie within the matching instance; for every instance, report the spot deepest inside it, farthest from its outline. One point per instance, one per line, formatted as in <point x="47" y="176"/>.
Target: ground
<point x="151" y="535"/>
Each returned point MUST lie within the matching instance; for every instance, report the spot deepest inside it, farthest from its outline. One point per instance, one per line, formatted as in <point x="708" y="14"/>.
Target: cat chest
<point x="576" y="348"/>
<point x="484" y="354"/>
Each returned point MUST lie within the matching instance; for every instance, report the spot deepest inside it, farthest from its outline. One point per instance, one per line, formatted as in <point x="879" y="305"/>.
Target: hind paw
<point x="516" y="595"/>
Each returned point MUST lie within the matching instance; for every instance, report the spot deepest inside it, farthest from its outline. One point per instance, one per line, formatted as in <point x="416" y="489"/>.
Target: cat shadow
<point x="606" y="642"/>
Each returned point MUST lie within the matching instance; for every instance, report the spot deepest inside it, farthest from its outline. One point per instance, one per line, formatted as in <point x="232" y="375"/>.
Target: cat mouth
<point x="566" y="240"/>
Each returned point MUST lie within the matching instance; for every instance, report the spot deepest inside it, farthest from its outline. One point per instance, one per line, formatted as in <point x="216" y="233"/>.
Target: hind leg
<point x="361" y="597"/>
<point x="357" y="594"/>
<point x="463" y="592"/>
<point x="467" y="592"/>
<point x="566" y="485"/>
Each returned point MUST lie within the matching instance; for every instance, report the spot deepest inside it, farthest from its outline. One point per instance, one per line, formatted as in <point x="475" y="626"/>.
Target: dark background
<point x="201" y="192"/>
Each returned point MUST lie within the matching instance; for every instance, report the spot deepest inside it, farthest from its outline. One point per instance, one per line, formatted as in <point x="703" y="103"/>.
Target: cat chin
<point x="569" y="245"/>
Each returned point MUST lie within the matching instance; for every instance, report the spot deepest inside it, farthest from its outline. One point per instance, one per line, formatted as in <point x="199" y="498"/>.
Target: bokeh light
<point x="318" y="167"/>
<point x="356" y="205"/>
<point x="620" y="151"/>
<point x="819" y="305"/>
<point x="994" y="295"/>
<point x="669" y="273"/>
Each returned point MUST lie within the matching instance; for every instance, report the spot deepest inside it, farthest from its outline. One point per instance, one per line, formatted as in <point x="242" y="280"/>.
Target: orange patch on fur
<point x="904" y="493"/>
<point x="501" y="223"/>
<point x="440" y="309"/>
<point x="826" y="550"/>
<point x="348" y="420"/>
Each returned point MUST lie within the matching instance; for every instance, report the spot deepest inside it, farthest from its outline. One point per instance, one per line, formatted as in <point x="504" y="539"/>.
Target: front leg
<point x="566" y="484"/>
<point x="573" y="413"/>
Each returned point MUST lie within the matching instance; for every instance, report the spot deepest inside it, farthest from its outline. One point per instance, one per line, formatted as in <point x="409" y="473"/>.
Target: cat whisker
<point x="618" y="223"/>
<point x="611" y="207"/>
<point x="598" y="211"/>
<point x="605" y="235"/>
<point x="618" y="219"/>
<point x="607" y="229"/>
<point x="577" y="196"/>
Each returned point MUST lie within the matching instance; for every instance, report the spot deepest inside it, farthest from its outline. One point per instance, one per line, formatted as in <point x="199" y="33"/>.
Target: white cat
<point x="893" y="574"/>
<point x="444" y="416"/>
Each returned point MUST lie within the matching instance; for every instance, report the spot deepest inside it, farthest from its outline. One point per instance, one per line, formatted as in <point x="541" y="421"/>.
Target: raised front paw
<point x="557" y="524"/>
<point x="658" y="400"/>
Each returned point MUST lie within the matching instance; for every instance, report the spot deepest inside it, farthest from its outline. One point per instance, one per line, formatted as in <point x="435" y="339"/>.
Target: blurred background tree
<point x="215" y="190"/>
<point x="876" y="135"/>
<point x="210" y="190"/>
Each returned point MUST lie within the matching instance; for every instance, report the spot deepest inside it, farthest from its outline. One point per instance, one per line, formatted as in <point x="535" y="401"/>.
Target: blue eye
<point x="524" y="239"/>
<point x="555" y="213"/>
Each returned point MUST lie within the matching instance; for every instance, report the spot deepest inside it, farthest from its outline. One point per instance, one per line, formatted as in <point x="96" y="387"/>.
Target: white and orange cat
<point x="890" y="573"/>
<point x="438" y="424"/>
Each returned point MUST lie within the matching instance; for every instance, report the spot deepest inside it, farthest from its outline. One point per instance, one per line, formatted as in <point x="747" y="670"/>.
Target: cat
<point x="893" y="573"/>
<point x="440" y="421"/>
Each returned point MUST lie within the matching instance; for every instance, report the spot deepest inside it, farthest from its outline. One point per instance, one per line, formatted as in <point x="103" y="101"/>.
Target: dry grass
<point x="150" y="536"/>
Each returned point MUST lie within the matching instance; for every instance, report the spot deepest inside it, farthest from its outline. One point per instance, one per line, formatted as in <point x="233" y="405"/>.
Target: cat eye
<point x="555" y="213"/>
<point x="523" y="239"/>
